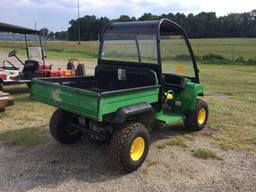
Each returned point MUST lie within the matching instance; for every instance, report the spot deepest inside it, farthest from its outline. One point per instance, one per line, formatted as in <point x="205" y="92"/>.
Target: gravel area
<point x="83" y="167"/>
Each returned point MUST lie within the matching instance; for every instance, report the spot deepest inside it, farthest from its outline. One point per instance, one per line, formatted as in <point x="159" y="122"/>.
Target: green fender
<point x="190" y="94"/>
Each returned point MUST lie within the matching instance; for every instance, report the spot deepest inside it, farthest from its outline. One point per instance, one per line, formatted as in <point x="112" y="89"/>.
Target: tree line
<point x="202" y="25"/>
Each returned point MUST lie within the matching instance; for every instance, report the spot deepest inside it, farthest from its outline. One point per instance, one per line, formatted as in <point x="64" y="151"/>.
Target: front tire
<point x="60" y="130"/>
<point x="197" y="119"/>
<point x="129" y="146"/>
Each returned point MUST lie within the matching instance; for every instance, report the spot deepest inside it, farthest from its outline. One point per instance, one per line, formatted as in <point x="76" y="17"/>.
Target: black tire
<point x="60" y="130"/>
<point x="119" y="150"/>
<point x="71" y="66"/>
<point x="1" y="87"/>
<point x="192" y="120"/>
<point x="80" y="70"/>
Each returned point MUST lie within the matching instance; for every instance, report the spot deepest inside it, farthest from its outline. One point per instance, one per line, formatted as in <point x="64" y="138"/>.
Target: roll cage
<point x="154" y="27"/>
<point x="8" y="28"/>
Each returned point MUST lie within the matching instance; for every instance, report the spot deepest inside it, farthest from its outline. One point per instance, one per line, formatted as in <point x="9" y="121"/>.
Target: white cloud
<point x="55" y="14"/>
<point x="222" y="7"/>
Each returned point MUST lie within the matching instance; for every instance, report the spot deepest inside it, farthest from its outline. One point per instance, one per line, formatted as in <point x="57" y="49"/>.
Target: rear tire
<point x="197" y="119"/>
<point x="60" y="130"/>
<point x="80" y="70"/>
<point x="129" y="147"/>
<point x="71" y="66"/>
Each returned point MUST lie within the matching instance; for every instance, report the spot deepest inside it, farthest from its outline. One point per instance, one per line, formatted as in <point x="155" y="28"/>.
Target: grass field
<point x="229" y="48"/>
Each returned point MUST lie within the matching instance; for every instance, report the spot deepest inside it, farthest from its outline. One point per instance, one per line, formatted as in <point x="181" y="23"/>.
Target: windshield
<point x="35" y="53"/>
<point x="11" y="41"/>
<point x="176" y="58"/>
<point x="130" y="47"/>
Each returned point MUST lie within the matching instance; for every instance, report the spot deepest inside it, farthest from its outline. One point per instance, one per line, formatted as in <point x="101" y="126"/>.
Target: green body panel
<point x="189" y="94"/>
<point x="95" y="105"/>
<point x="168" y="117"/>
<point x="187" y="99"/>
<point x="111" y="103"/>
<point x="67" y="98"/>
<point x="88" y="103"/>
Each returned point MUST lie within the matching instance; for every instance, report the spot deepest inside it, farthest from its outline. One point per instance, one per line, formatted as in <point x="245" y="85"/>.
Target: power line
<point x="78" y="15"/>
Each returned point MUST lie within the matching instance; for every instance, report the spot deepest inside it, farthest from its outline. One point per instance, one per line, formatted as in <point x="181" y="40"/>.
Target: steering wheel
<point x="12" y="53"/>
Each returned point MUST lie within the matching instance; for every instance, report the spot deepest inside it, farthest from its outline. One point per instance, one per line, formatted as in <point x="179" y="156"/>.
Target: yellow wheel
<point x="201" y="116"/>
<point x="196" y="120"/>
<point x="137" y="148"/>
<point x="129" y="146"/>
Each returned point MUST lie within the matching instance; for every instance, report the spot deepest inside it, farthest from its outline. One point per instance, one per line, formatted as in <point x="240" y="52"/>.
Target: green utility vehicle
<point x="146" y="72"/>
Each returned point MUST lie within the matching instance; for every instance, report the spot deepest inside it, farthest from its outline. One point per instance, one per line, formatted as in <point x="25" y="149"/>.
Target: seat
<point x="31" y="65"/>
<point x="176" y="82"/>
<point x="110" y="77"/>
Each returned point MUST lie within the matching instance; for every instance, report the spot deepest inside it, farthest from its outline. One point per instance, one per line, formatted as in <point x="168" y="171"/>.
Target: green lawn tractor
<point x="146" y="73"/>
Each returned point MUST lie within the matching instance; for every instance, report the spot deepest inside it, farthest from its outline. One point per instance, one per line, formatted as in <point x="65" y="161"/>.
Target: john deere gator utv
<point x="146" y="72"/>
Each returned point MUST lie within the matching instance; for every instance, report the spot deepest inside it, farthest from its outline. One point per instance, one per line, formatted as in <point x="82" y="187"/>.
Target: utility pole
<point x="78" y="10"/>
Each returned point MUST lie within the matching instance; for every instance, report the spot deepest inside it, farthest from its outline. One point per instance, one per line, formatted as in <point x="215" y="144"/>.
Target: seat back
<point x="110" y="77"/>
<point x="31" y="65"/>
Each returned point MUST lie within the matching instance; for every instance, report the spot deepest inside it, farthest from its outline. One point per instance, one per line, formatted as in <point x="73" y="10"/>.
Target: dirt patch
<point x="83" y="167"/>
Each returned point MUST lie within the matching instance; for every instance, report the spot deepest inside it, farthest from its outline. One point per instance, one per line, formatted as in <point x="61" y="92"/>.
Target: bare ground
<point x="83" y="167"/>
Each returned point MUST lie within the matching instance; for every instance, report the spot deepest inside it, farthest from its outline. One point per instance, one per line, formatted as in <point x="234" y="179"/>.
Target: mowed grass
<point x="230" y="48"/>
<point x="56" y="49"/>
<point x="231" y="96"/>
<point x="28" y="137"/>
<point x="174" y="141"/>
<point x="204" y="153"/>
<point x="25" y="123"/>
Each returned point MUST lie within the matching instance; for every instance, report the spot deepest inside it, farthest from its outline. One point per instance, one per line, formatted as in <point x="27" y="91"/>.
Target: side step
<point x="168" y="117"/>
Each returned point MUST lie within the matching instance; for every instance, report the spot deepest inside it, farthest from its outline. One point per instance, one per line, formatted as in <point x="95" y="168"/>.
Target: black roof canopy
<point x="4" y="27"/>
<point x="130" y="30"/>
<point x="159" y="27"/>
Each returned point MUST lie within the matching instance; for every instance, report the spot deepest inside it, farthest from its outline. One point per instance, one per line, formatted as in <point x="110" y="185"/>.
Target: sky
<point x="56" y="14"/>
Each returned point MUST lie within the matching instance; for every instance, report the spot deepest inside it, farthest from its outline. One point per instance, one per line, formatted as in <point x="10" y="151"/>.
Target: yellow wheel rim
<point x="137" y="148"/>
<point x="201" y="116"/>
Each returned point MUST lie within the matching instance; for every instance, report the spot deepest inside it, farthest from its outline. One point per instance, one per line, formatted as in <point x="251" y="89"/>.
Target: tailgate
<point x="71" y="99"/>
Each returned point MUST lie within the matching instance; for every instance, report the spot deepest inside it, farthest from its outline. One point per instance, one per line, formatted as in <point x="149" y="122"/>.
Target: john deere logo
<point x="56" y="95"/>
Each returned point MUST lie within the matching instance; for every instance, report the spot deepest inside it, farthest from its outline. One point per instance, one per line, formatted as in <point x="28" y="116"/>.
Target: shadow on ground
<point x="162" y="131"/>
<point x="52" y="164"/>
<point x="16" y="89"/>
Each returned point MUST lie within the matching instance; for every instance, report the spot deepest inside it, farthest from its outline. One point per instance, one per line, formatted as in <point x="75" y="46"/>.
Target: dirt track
<point x="82" y="167"/>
